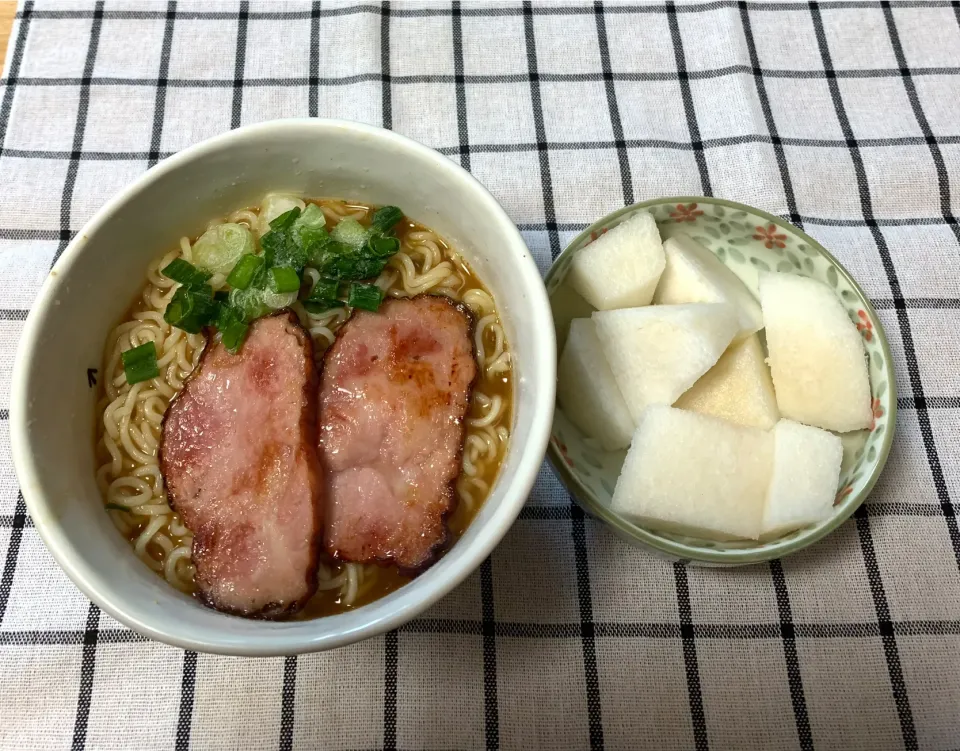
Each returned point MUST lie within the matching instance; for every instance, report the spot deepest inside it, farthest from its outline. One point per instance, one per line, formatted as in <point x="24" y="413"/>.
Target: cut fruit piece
<point x="694" y="274"/>
<point x="737" y="388"/>
<point x="695" y="475"/>
<point x="587" y="390"/>
<point x="621" y="268"/>
<point x="806" y="472"/>
<point x="566" y="306"/>
<point x="816" y="354"/>
<point x="659" y="352"/>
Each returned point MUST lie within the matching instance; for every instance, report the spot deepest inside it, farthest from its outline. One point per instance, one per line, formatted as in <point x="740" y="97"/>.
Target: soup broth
<point x="130" y="417"/>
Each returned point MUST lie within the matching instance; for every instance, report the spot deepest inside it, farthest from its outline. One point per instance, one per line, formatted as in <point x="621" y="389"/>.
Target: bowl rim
<point x="732" y="557"/>
<point x="98" y="587"/>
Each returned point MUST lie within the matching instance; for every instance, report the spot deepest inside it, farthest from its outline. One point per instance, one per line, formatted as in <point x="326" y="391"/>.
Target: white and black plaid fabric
<point x="843" y="117"/>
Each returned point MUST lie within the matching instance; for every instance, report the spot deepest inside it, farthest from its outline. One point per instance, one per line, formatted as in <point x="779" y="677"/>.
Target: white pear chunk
<point x="738" y="388"/>
<point x="657" y="353"/>
<point x="588" y="391"/>
<point x="694" y="274"/>
<point x="621" y="268"/>
<point x="695" y="475"/>
<point x="817" y="356"/>
<point x="806" y="472"/>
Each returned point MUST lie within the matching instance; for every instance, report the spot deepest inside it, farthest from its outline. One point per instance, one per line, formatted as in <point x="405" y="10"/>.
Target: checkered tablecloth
<point x="843" y="117"/>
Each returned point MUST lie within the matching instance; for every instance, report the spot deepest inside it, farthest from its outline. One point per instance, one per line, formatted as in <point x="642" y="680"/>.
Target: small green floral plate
<point x="747" y="241"/>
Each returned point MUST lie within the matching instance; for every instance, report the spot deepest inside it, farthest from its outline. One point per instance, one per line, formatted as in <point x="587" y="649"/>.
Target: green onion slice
<point x="383" y="247"/>
<point x="233" y="335"/>
<point x="220" y="247"/>
<point x="185" y="272"/>
<point x="248" y="303"/>
<point x="285" y="220"/>
<point x="140" y="363"/>
<point x="324" y="289"/>
<point x="312" y="217"/>
<point x="190" y="310"/>
<point x="386" y="218"/>
<point x="285" y="279"/>
<point x="351" y="233"/>
<point x="246" y="269"/>
<point x="365" y="296"/>
<point x="316" y="307"/>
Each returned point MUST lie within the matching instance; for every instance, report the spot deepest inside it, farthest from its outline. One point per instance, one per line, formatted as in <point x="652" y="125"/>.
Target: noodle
<point x="129" y="475"/>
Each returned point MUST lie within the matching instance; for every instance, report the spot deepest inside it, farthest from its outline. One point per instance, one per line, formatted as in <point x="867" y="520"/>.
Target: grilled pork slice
<point x="394" y="394"/>
<point x="239" y="458"/>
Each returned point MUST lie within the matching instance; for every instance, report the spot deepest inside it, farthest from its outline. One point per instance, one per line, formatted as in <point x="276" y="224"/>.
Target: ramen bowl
<point x="747" y="241"/>
<point x="54" y="402"/>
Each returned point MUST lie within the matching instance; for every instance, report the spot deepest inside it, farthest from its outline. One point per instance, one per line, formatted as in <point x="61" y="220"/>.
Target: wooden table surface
<point x="7" y="11"/>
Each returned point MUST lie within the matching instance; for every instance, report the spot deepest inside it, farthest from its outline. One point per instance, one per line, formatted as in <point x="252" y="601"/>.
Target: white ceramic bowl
<point x="52" y="408"/>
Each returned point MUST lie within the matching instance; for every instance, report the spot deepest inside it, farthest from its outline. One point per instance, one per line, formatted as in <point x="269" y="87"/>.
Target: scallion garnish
<point x="140" y="363"/>
<point x="246" y="269"/>
<point x="185" y="272"/>
<point x="312" y="217"/>
<point x="324" y="289"/>
<point x="385" y="219"/>
<point x="248" y="303"/>
<point x="365" y="296"/>
<point x="350" y="253"/>
<point x="284" y="279"/>
<point x="233" y="335"/>
<point x="323" y="296"/>
<point x="316" y="307"/>
<point x="351" y="233"/>
<point x="191" y="309"/>
<point x="383" y="247"/>
<point x="285" y="220"/>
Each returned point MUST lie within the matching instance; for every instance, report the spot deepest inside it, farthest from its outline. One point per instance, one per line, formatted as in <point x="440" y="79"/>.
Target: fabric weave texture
<point x="842" y="117"/>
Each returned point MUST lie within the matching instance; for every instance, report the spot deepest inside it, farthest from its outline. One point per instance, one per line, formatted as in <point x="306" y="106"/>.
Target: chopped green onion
<point x="274" y="205"/>
<point x="351" y="233"/>
<point x="384" y="219"/>
<point x="311" y="217"/>
<point x="365" y="296"/>
<point x="242" y="274"/>
<point x="248" y="303"/>
<point x="285" y="220"/>
<point x="324" y="289"/>
<point x="349" y="264"/>
<point x="316" y="307"/>
<point x="323" y="296"/>
<point x="285" y="279"/>
<point x="140" y="363"/>
<point x="310" y="233"/>
<point x="221" y="296"/>
<point x="185" y="272"/>
<point x="233" y="335"/>
<point x="281" y="248"/>
<point x="226" y="314"/>
<point x="277" y="300"/>
<point x="316" y="243"/>
<point x="220" y="247"/>
<point x="190" y="310"/>
<point x="383" y="247"/>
